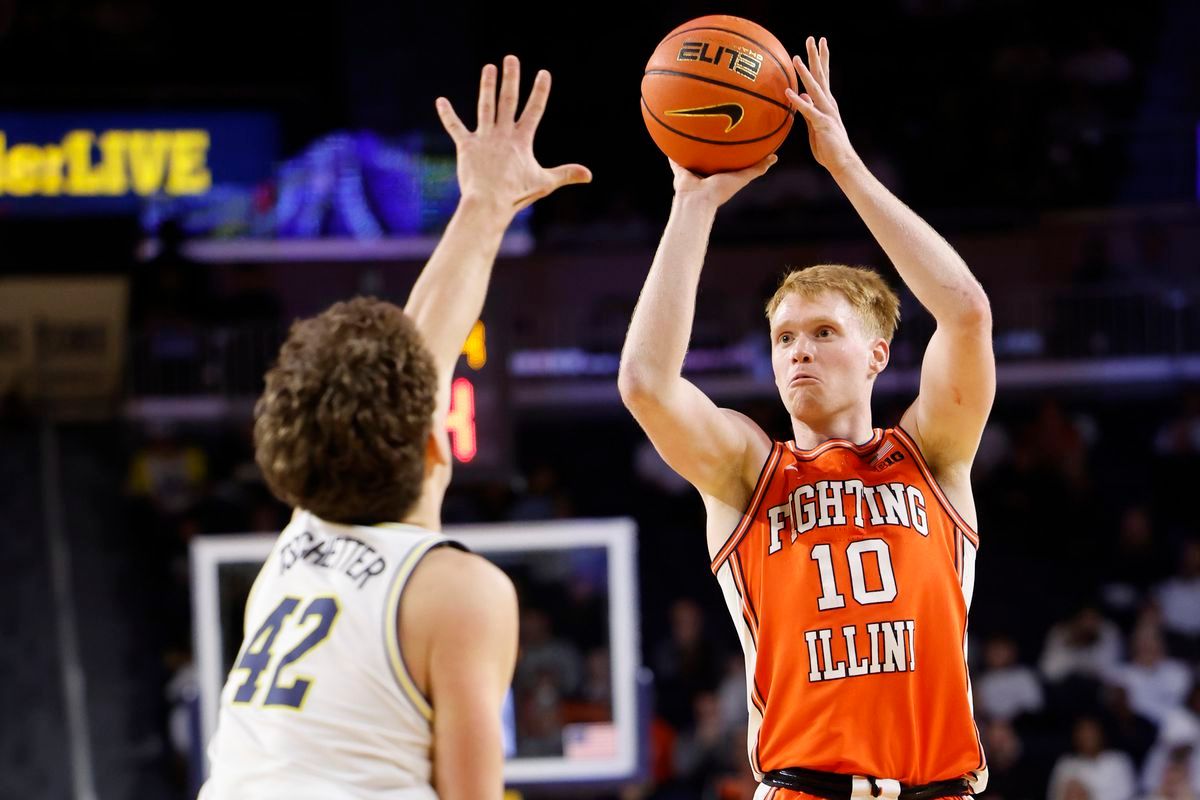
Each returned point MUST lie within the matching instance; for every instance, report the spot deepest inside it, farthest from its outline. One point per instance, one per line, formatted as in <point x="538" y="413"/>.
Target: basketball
<point x="713" y="94"/>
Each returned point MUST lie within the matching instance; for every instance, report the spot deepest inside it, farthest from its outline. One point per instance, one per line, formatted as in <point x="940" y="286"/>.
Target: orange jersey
<point x="849" y="579"/>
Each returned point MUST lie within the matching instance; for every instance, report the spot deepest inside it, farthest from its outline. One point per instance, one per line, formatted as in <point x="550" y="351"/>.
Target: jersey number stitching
<point x="258" y="655"/>
<point x="830" y="597"/>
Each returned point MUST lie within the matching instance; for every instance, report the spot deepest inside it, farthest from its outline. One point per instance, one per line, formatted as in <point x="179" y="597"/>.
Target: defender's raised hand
<point x="826" y="133"/>
<point x="495" y="161"/>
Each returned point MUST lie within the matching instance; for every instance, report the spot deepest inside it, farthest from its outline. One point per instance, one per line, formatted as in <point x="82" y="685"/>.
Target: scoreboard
<point x="479" y="422"/>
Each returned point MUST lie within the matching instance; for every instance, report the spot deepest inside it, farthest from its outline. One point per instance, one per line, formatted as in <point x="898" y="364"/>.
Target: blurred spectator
<point x="549" y="671"/>
<point x="1127" y="729"/>
<point x="1133" y="564"/>
<point x="685" y="664"/>
<point x="1175" y="757"/>
<point x="597" y="679"/>
<point x="1060" y="444"/>
<point x="171" y="289"/>
<point x="1007" y="689"/>
<point x="995" y="446"/>
<point x="545" y="657"/>
<point x="1181" y="434"/>
<point x="1178" y="780"/>
<point x="699" y="750"/>
<point x="1011" y="776"/>
<point x="1098" y="64"/>
<point x="1179" y="597"/>
<point x="1074" y="789"/>
<point x="736" y="780"/>
<point x="167" y="472"/>
<point x="1087" y="645"/>
<point x="182" y="692"/>
<point x="1101" y="774"/>
<point x="731" y="694"/>
<point x="170" y="304"/>
<point x="543" y="498"/>
<point x="1156" y="684"/>
<point x="539" y="715"/>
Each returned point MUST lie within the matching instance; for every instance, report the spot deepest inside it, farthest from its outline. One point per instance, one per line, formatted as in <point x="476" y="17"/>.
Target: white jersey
<point x="319" y="703"/>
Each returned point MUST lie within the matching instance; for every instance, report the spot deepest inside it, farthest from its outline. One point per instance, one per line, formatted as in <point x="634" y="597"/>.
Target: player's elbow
<point x="636" y="385"/>
<point x="974" y="311"/>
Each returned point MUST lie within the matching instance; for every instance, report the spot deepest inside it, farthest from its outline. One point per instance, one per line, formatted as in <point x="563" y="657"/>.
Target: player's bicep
<point x="708" y="446"/>
<point x="472" y="654"/>
<point x="958" y="385"/>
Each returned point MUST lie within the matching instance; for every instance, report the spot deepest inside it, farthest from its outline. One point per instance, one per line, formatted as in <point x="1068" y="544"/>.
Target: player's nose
<point x="802" y="351"/>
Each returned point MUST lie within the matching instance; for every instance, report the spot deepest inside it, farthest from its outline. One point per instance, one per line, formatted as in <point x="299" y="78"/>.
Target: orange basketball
<point x="713" y="94"/>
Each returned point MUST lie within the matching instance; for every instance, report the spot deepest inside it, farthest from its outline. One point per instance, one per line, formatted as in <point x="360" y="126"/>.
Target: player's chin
<point x="803" y="401"/>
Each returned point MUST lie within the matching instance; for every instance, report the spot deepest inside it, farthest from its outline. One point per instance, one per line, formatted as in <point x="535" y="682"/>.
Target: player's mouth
<point x="802" y="378"/>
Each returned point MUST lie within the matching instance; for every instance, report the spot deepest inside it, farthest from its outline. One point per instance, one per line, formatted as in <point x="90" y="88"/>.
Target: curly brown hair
<point x="342" y="424"/>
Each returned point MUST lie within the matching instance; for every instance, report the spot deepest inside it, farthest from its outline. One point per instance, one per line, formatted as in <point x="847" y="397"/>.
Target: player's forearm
<point x="658" y="336"/>
<point x="449" y="293"/>
<point x="472" y="767"/>
<point x="930" y="267"/>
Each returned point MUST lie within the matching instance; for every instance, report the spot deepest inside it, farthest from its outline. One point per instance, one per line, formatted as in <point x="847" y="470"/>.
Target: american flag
<point x="589" y="740"/>
<point x="881" y="452"/>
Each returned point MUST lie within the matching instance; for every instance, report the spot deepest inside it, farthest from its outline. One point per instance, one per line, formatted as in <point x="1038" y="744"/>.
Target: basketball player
<point x="845" y="555"/>
<point x="377" y="654"/>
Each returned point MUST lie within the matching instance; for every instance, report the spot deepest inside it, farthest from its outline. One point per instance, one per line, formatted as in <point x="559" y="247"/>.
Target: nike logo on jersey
<point x="733" y="111"/>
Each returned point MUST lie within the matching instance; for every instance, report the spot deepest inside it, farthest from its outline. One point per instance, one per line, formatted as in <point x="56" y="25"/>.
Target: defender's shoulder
<point x="453" y="581"/>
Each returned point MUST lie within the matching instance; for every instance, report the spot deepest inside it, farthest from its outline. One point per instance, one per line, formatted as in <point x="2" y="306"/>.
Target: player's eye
<point x="785" y="338"/>
<point x="825" y="333"/>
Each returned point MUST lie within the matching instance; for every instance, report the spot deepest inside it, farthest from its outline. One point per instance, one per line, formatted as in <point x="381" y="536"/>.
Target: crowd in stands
<point x="1085" y="634"/>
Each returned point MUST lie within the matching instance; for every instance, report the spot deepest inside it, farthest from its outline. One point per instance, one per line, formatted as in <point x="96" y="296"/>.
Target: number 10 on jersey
<point x="877" y="647"/>
<point x="831" y="598"/>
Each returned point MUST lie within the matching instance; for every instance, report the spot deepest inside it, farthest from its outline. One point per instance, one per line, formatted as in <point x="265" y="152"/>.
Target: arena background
<point x="142" y="297"/>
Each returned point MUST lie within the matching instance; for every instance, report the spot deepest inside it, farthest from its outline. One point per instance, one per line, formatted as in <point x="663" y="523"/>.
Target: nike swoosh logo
<point x="731" y="110"/>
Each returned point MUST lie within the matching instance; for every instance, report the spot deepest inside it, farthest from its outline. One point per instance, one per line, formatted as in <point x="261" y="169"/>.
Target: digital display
<point x="345" y="185"/>
<point x="478" y="420"/>
<point x="461" y="420"/>
<point x="76" y="163"/>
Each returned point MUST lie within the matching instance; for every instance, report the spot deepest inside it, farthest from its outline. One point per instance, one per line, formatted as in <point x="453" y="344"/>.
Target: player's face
<point x="823" y="358"/>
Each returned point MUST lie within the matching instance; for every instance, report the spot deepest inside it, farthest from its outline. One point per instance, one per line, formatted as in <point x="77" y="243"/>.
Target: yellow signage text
<point x="108" y="164"/>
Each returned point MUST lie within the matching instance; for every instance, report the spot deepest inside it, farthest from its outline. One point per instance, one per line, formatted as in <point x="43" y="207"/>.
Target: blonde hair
<point x="877" y="305"/>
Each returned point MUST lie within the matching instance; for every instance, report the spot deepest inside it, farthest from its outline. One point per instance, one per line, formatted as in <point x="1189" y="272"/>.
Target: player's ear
<point x="437" y="449"/>
<point x="881" y="353"/>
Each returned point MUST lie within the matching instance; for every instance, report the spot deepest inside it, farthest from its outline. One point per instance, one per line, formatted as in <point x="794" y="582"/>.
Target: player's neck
<point x="427" y="513"/>
<point x="854" y="425"/>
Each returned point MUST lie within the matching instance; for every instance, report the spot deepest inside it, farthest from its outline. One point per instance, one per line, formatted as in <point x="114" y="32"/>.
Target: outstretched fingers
<point x="450" y="120"/>
<point x="510" y="87"/>
<point x="815" y="64"/>
<point x="487" y="98"/>
<point x="535" y="106"/>
<point x="555" y="179"/>
<point x="812" y="85"/>
<point x="570" y="173"/>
